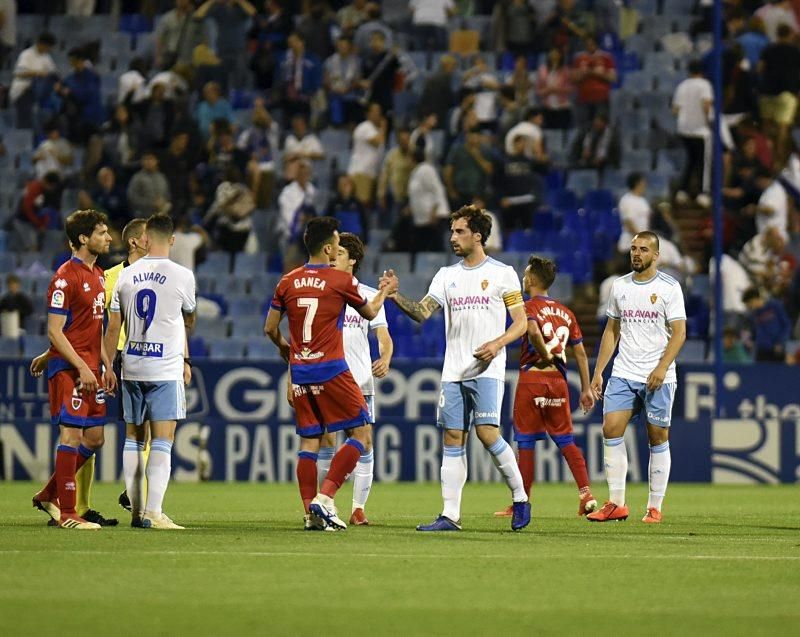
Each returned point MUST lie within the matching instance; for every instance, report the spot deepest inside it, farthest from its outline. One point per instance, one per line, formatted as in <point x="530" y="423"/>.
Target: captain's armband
<point x="513" y="299"/>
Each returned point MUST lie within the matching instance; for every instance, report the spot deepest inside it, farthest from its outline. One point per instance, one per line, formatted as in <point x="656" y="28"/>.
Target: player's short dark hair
<point x="354" y="246"/>
<point x="543" y="269"/>
<point x="160" y="224"/>
<point x="651" y="236"/>
<point x="133" y="230"/>
<point x="83" y="222"/>
<point x="634" y="179"/>
<point x="696" y="67"/>
<point x="749" y="294"/>
<point x="477" y="220"/>
<point x="318" y="232"/>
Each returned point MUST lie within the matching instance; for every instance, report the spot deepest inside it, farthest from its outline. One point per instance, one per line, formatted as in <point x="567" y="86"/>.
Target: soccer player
<point x="325" y="396"/>
<point x="364" y="370"/>
<point x="155" y="297"/>
<point x="541" y="404"/>
<point x="77" y="388"/>
<point x="646" y="316"/>
<point x="475" y="293"/>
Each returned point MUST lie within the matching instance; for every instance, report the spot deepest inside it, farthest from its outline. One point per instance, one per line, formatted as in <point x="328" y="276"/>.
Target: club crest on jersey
<point x="77" y="401"/>
<point x="484" y="284"/>
<point x="653" y="298"/>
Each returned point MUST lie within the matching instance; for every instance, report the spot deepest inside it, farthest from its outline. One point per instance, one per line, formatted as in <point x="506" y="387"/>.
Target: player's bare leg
<point x="362" y="482"/>
<point x="615" y="457"/>
<point x="159" y="468"/>
<point x="133" y="468"/>
<point x="660" y="463"/>
<point x="505" y="461"/>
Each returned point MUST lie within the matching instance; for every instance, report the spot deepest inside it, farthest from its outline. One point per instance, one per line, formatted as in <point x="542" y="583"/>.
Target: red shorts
<point x="541" y="406"/>
<point x="70" y="407"/>
<point x="333" y="405"/>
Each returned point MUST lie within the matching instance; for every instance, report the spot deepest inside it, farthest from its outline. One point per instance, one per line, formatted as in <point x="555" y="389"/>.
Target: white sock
<point x="616" y="459"/>
<point x="362" y="479"/>
<point x="454" y="476"/>
<point x="159" y="467"/>
<point x="133" y="471"/>
<point x="505" y="460"/>
<point x="324" y="459"/>
<point x="660" y="463"/>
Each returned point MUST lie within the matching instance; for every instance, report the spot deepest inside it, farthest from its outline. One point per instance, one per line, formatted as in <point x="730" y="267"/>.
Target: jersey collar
<point x="655" y="276"/>
<point x="316" y="265"/>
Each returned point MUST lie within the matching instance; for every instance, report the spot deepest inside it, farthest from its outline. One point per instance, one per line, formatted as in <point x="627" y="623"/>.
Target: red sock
<point x="307" y="477"/>
<point x="525" y="462"/>
<point x="577" y="465"/>
<point x="66" y="459"/>
<point x="50" y="490"/>
<point x="342" y="465"/>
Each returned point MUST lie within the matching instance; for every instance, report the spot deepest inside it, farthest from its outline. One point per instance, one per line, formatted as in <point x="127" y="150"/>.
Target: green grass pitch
<point x="725" y="562"/>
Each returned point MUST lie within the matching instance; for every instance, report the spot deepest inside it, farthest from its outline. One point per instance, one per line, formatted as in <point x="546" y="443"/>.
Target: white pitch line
<point x="423" y="556"/>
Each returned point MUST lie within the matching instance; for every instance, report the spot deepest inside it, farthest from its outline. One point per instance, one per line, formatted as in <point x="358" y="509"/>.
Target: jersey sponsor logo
<point x="541" y="401"/>
<point x="310" y="282"/>
<point x="351" y="320"/>
<point x="143" y="277"/>
<point x="141" y="348"/>
<point x="469" y="302"/>
<point x="639" y="314"/>
<point x="653" y="298"/>
<point x="306" y="354"/>
<point x="484" y="284"/>
<point x="57" y="300"/>
<point x="87" y="287"/>
<point x="60" y="284"/>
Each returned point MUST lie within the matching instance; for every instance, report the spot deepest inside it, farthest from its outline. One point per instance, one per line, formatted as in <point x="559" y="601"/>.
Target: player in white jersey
<point x="364" y="369"/>
<point x="647" y="317"/>
<point x="475" y="293"/>
<point x="155" y="297"/>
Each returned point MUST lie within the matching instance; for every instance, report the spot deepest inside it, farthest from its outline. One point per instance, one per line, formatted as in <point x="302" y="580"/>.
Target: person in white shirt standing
<point x="647" y="318"/>
<point x="427" y="199"/>
<point x="429" y="23"/>
<point x="369" y="139"/>
<point x="475" y="294"/>
<point x="692" y="105"/>
<point x="634" y="211"/>
<point x="34" y="78"/>
<point x="8" y="28"/>
<point x="364" y="370"/>
<point x="155" y="298"/>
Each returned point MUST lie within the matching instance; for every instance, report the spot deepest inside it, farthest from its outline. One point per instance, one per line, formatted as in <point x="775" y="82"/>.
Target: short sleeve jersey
<point x="645" y="310"/>
<point x="475" y="301"/>
<point x="78" y="292"/>
<point x="356" y="342"/>
<point x="111" y="276"/>
<point x="314" y="298"/>
<point x="152" y="295"/>
<point x="559" y="329"/>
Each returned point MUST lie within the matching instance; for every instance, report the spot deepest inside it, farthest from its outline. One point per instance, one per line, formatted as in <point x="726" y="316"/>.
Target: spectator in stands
<point x="350" y="212"/>
<point x="108" y="196"/>
<point x="494" y="243"/>
<point x="352" y="15"/>
<point x="427" y="200"/>
<point x="467" y="170"/>
<point x="564" y="26"/>
<point x="155" y="116"/>
<point x="378" y="70"/>
<point x="231" y="18"/>
<point x="522" y="80"/>
<point x="735" y="281"/>
<point x="691" y="104"/>
<point x="421" y="136"/>
<point x="53" y="154"/>
<point x="780" y="84"/>
<point x="481" y="79"/>
<point x="753" y="41"/>
<point x="82" y="102"/>
<point x="462" y="118"/>
<point x="429" y="23"/>
<point x="341" y="77"/>
<point x="213" y="107"/>
<point x="148" y="190"/>
<point x="772" y="208"/>
<point x="364" y="32"/>
<point x="740" y="187"/>
<point x="230" y="216"/>
<point x="188" y="240"/>
<point x="769" y="324"/>
<point x="38" y="211"/>
<point x="132" y="84"/>
<point x="296" y="203"/>
<point x="395" y="173"/>
<point x="298" y="76"/>
<point x="554" y="90"/>
<point x="33" y="79"/>
<point x="438" y="95"/>
<point x="518" y="185"/>
<point x="369" y="141"/>
<point x="634" y="211"/>
<point x="177" y="165"/>
<point x="776" y="13"/>
<point x="761" y="257"/>
<point x="176" y="82"/>
<point x="594" y="72"/>
<point x="224" y="154"/>
<point x="260" y="141"/>
<point x="8" y="29"/>
<point x="301" y="144"/>
<point x="530" y="130"/>
<point x="518" y="25"/>
<point x="266" y="40"/>
<point x="598" y="147"/>
<point x="315" y="27"/>
<point x="120" y="142"/>
<point x="15" y="300"/>
<point x="733" y="350"/>
<point x="177" y="34"/>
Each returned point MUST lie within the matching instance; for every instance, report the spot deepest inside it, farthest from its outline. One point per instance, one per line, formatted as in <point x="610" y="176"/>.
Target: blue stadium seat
<point x="581" y="181"/>
<point x="544" y="220"/>
<point x="9" y="347"/>
<point x="262" y="349"/>
<point x="600" y="199"/>
<point x="701" y="285"/>
<point x="562" y="287"/>
<point x="335" y="139"/>
<point x="520" y="241"/>
<point x="34" y="344"/>
<point x="211" y="328"/>
<point x="658" y="185"/>
<point x="638" y="82"/>
<point x="216" y="263"/>
<point x="637" y="160"/>
<point x="232" y="284"/>
<point x="693" y="351"/>
<point x="262" y="286"/>
<point x="242" y="306"/>
<point x="197" y="347"/>
<point x="228" y="349"/>
<point x="429" y="262"/>
<point x="247" y="325"/>
<point x="135" y="23"/>
<point x="8" y="261"/>
<point x="397" y="261"/>
<point x="562" y="200"/>
<point x="249" y="264"/>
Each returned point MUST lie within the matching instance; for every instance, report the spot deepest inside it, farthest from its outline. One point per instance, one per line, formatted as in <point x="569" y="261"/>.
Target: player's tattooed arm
<point x="417" y="310"/>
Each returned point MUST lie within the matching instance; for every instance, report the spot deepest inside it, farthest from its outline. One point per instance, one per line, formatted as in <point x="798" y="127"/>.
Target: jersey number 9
<point x="146" y="306"/>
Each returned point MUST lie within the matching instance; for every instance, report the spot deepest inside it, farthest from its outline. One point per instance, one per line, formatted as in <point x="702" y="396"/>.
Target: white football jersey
<point x="152" y="295"/>
<point x="356" y="341"/>
<point x="475" y="301"/>
<point x="645" y="311"/>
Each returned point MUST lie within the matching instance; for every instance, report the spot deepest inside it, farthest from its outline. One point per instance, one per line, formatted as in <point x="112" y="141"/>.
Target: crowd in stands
<point x="576" y="123"/>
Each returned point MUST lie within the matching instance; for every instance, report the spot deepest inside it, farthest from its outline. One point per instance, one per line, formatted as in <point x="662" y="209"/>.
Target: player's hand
<point x="487" y="351"/>
<point x="39" y="364"/>
<point x="587" y="400"/>
<point x="187" y="374"/>
<point x="87" y="382"/>
<point x="380" y="368"/>
<point x="109" y="382"/>
<point x="597" y="387"/>
<point x="389" y="282"/>
<point x="656" y="378"/>
<point x="286" y="350"/>
<point x="290" y="395"/>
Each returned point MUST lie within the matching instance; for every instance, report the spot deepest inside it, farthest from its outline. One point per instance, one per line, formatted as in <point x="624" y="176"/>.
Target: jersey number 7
<point x="311" y="306"/>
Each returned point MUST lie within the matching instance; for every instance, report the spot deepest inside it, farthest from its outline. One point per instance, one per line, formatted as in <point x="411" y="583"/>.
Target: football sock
<point x="577" y="465"/>
<point x="362" y="479"/>
<point x="66" y="459"/>
<point x="84" y="476"/>
<point x="133" y="469"/>
<point x="615" y="456"/>
<point x="526" y="467"/>
<point x="342" y="465"/>
<point x="307" y="476"/>
<point x="660" y="463"/>
<point x="324" y="458"/>
<point x="159" y="468"/>
<point x="504" y="460"/>
<point x="50" y="490"/>
<point x="454" y="476"/>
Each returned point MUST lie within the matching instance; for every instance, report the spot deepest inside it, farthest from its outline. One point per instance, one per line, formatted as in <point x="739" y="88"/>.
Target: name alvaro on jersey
<point x="143" y="277"/>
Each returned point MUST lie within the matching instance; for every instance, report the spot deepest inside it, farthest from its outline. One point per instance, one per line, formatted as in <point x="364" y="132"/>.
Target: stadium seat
<point x="637" y="161"/>
<point x="397" y="261"/>
<point x="8" y="261"/>
<point x="135" y="23"/>
<point x="9" y="347"/>
<point x="562" y="287"/>
<point x="216" y="263"/>
<point x="211" y="328"/>
<point x="250" y="264"/>
<point x="242" y="306"/>
<point x="638" y="82"/>
<point x="701" y="285"/>
<point x="519" y="241"/>
<point x="600" y="199"/>
<point x="429" y="262"/>
<point x="693" y="351"/>
<point x="581" y="181"/>
<point x="34" y="344"/>
<point x="244" y="326"/>
<point x="229" y="349"/>
<point x="562" y="200"/>
<point x="335" y="139"/>
<point x="232" y="284"/>
<point x="544" y="220"/>
<point x="262" y="349"/>
<point x="658" y="185"/>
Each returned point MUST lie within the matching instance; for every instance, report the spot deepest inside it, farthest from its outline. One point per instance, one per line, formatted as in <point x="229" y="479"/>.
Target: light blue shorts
<point x="470" y="402"/>
<point x="654" y="407"/>
<point x="153" y="400"/>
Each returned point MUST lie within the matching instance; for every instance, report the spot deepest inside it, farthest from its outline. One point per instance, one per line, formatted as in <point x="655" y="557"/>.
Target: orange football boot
<point x="609" y="513"/>
<point x="505" y="513"/>
<point x="653" y="516"/>
<point x="357" y="518"/>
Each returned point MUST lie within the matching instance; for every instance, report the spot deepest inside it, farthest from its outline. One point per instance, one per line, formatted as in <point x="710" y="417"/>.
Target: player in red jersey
<point x="324" y="394"/>
<point x="541" y="404"/>
<point x="76" y="301"/>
